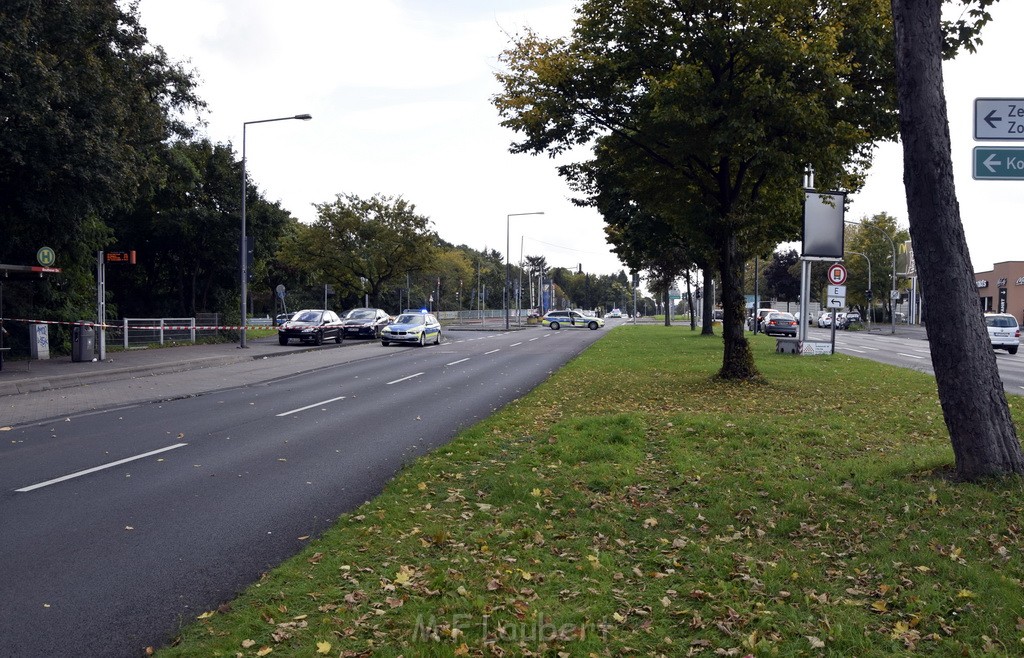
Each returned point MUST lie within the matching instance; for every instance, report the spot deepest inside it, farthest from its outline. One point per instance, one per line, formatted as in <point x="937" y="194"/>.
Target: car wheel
<point x="283" y="340"/>
<point x="437" y="338"/>
<point x="340" y="336"/>
<point x="592" y="326"/>
<point x="423" y="339"/>
<point x="1012" y="350"/>
<point x="554" y="326"/>
<point x="318" y="339"/>
<point x="384" y="343"/>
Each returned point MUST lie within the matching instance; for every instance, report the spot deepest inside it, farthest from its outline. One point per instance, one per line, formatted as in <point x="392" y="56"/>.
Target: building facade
<point x="1001" y="290"/>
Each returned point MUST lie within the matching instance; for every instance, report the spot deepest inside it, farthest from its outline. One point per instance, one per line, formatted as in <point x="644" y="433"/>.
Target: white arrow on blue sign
<point x="999" y="119"/>
<point x="999" y="162"/>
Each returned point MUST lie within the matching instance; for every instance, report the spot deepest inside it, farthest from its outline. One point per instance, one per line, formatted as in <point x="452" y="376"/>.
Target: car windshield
<point x="362" y="314"/>
<point x="308" y="316"/>
<point x="1000" y="321"/>
<point x="410" y="318"/>
<point x="782" y="316"/>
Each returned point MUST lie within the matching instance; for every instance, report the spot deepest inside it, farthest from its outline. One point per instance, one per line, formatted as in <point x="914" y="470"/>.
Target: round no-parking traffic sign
<point x="837" y="274"/>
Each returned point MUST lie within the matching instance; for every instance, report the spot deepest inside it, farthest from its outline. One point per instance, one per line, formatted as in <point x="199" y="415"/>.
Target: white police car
<point x="417" y="328"/>
<point x="558" y="319"/>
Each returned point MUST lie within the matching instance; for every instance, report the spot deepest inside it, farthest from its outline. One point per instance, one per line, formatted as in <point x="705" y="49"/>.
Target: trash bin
<point x="83" y="342"/>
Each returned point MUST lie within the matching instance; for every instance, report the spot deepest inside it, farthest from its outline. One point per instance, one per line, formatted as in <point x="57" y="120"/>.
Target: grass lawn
<point x="633" y="505"/>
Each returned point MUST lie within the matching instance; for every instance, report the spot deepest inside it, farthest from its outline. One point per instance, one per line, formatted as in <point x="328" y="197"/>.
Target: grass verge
<point x="632" y="505"/>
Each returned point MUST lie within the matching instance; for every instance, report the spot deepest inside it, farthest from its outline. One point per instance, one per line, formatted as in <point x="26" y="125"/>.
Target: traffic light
<point x="868" y="294"/>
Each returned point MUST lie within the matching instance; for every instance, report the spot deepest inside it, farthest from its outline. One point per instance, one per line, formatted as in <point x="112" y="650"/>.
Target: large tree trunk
<point x="737" y="359"/>
<point x="668" y="307"/>
<point x="970" y="392"/>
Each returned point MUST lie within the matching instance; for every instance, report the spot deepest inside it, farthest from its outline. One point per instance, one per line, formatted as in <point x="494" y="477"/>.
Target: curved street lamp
<point x="508" y="267"/>
<point x="244" y="248"/>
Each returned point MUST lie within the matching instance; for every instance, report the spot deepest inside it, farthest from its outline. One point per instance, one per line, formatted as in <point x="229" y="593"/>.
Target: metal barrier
<point x="146" y="331"/>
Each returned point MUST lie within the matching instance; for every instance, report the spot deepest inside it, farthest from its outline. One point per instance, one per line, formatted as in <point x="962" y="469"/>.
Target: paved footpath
<point x="32" y="391"/>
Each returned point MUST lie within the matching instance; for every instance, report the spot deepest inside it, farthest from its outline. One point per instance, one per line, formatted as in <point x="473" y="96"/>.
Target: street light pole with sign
<point x="244" y="246"/>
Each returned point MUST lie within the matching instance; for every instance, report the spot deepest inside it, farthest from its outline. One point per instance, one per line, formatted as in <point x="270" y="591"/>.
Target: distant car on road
<point x="312" y="326"/>
<point x="615" y="313"/>
<point x="416" y="328"/>
<point x="365" y="322"/>
<point x="1003" y="331"/>
<point x="282" y="318"/>
<point x="558" y="319"/>
<point x="782" y="324"/>
<point x="849" y="319"/>
<point x="825" y="319"/>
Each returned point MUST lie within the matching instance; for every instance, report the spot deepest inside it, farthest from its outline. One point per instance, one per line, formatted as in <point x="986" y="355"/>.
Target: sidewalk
<point x="28" y="376"/>
<point x="33" y="391"/>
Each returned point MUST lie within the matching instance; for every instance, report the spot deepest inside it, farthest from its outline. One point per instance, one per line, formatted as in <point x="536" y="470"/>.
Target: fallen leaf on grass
<point x="248" y="643"/>
<point x="323" y="647"/>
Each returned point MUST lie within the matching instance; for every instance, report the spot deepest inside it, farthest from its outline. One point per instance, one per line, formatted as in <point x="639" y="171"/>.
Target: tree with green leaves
<point x="780" y="280"/>
<point x="866" y="243"/>
<point x="88" y="105"/>
<point x="971" y="393"/>
<point x="711" y="111"/>
<point x="362" y="244"/>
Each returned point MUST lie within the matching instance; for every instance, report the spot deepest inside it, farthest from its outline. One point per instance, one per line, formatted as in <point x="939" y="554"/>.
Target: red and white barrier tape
<point x="142" y="327"/>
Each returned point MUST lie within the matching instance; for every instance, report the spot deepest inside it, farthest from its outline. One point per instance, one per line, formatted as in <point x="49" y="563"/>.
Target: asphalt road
<point x="173" y="507"/>
<point x="909" y="349"/>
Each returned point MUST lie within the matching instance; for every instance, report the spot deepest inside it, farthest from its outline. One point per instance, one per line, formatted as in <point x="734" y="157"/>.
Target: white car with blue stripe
<point x="570" y="319"/>
<point x="416" y="328"/>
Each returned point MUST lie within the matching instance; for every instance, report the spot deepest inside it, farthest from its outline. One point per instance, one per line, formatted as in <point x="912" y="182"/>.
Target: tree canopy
<point x="707" y="113"/>
<point x="362" y="244"/>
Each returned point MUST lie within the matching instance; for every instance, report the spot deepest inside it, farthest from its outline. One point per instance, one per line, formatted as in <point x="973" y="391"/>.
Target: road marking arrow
<point x="989" y="162"/>
<point x="990" y="119"/>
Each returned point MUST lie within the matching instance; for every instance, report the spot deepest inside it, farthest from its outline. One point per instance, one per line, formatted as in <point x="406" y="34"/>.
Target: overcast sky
<point x="400" y="96"/>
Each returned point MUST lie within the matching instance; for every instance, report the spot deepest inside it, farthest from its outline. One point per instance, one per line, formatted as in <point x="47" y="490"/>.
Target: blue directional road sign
<point x="999" y="162"/>
<point x="1000" y="119"/>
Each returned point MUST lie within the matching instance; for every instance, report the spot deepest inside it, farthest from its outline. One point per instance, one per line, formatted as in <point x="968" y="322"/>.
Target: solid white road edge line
<point x="309" y="406"/>
<point x="459" y="361"/>
<point x="99" y="468"/>
<point x="403" y="379"/>
<point x="910" y="356"/>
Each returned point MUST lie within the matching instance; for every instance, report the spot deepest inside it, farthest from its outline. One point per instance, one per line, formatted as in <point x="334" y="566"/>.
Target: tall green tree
<point x="971" y="393"/>
<point x="186" y="231"/>
<point x="362" y="245"/>
<point x="867" y="237"/>
<point x="713" y="110"/>
<point x="779" y="278"/>
<point x="88" y="103"/>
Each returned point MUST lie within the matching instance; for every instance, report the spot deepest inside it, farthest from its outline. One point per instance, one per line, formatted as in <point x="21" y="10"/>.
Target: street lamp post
<point x="508" y="265"/>
<point x="244" y="248"/>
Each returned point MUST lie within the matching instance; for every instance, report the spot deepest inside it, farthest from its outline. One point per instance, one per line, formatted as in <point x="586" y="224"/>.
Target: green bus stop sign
<point x="46" y="257"/>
